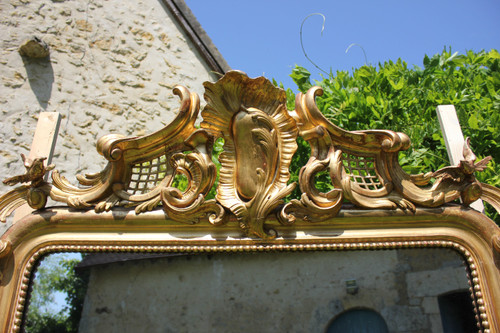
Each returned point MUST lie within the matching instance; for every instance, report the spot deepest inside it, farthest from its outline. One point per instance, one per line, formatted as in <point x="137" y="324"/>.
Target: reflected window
<point x="358" y="321"/>
<point x="457" y="313"/>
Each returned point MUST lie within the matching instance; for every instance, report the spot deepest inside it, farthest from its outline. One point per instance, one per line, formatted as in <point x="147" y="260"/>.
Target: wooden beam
<point x="43" y="145"/>
<point x="454" y="140"/>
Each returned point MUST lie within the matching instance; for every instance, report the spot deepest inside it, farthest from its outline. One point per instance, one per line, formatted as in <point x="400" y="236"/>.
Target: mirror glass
<point x="406" y="290"/>
<point x="57" y="294"/>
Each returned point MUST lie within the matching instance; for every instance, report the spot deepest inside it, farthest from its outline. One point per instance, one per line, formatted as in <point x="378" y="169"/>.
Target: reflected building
<point x="406" y="290"/>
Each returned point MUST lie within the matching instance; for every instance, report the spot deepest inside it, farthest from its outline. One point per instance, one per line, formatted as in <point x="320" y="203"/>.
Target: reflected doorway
<point x="457" y="313"/>
<point x="358" y="321"/>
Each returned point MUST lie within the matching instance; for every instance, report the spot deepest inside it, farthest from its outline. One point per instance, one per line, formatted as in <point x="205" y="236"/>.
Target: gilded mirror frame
<point x="133" y="205"/>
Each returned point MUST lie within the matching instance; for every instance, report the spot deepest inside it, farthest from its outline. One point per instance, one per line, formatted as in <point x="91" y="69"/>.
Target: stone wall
<point x="111" y="69"/>
<point x="271" y="292"/>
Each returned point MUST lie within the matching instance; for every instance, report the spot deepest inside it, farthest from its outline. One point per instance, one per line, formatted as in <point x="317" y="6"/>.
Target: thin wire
<point x="362" y="49"/>
<point x="302" y="44"/>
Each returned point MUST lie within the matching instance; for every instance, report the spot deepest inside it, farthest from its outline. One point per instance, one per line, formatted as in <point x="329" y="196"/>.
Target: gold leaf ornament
<point x="259" y="136"/>
<point x="259" y="142"/>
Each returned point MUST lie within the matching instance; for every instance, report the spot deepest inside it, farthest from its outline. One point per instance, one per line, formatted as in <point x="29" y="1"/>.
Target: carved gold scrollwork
<point x="491" y="195"/>
<point x="138" y="168"/>
<point x="357" y="164"/>
<point x="139" y="173"/>
<point x="5" y="248"/>
<point x="189" y="206"/>
<point x="35" y="193"/>
<point x="313" y="205"/>
<point x="259" y="136"/>
<point x="259" y="142"/>
<point x="450" y="183"/>
<point x="364" y="168"/>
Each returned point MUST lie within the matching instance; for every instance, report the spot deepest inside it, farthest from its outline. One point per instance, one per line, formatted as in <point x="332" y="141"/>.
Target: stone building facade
<point x="111" y="68"/>
<point x="272" y="292"/>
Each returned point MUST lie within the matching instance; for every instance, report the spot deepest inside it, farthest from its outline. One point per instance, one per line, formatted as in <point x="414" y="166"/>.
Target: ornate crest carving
<point x="259" y="136"/>
<point x="259" y="142"/>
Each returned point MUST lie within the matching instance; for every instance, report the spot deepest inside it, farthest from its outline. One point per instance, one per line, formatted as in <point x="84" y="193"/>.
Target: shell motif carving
<point x="259" y="142"/>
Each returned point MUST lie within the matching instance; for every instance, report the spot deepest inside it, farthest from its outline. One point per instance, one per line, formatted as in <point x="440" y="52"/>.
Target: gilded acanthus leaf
<point x="259" y="142"/>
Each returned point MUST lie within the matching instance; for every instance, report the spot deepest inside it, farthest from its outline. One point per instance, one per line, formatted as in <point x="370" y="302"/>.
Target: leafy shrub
<point x="56" y="273"/>
<point x="396" y="97"/>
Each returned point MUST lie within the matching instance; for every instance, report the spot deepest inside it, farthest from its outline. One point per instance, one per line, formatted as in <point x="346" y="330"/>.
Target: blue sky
<point x="262" y="37"/>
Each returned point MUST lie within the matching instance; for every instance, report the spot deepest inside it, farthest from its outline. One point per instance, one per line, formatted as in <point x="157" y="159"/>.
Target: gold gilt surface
<point x="374" y="204"/>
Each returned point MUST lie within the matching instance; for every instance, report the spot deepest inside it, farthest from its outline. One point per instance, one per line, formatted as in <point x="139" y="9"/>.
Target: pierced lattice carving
<point x="362" y="171"/>
<point x="146" y="175"/>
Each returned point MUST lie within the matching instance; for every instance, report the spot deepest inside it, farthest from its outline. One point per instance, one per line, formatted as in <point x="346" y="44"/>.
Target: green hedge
<point x="393" y="96"/>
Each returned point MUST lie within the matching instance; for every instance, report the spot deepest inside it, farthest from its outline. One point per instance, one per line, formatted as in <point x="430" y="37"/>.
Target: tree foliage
<point x="56" y="273"/>
<point x="393" y="96"/>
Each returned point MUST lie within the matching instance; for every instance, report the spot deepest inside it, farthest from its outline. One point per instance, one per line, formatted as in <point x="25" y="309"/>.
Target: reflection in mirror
<point x="407" y="290"/>
<point x="58" y="291"/>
